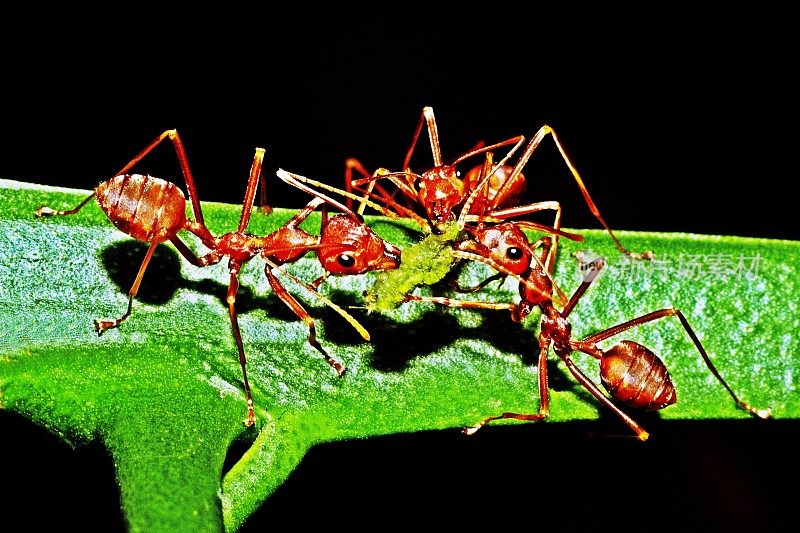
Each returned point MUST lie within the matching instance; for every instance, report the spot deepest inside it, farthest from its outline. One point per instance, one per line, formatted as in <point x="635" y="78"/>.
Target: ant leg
<point x="320" y="280"/>
<point x="428" y="118"/>
<point x="590" y="342"/>
<point x="202" y="232"/>
<point x="545" y="130"/>
<point x="211" y="258"/>
<point x="44" y="211"/>
<point x="250" y="193"/>
<point x="101" y="325"/>
<point x="470" y="290"/>
<point x="544" y="394"/>
<point x="597" y="393"/>
<point x="298" y="309"/>
<point x="349" y="166"/>
<point x="180" y="151"/>
<point x="371" y="181"/>
<point x="594" y="270"/>
<point x="263" y="205"/>
<point x="390" y="205"/>
<point x="462" y="304"/>
<point x="233" y="288"/>
<point x="302" y="183"/>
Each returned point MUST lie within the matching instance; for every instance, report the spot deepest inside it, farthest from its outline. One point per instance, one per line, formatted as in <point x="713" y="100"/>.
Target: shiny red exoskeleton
<point x="440" y="192"/>
<point x="153" y="210"/>
<point x="629" y="371"/>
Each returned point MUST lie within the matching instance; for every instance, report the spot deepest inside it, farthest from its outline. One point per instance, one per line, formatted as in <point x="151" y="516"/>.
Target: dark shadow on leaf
<point x="238" y="448"/>
<point x="163" y="279"/>
<point x="396" y="344"/>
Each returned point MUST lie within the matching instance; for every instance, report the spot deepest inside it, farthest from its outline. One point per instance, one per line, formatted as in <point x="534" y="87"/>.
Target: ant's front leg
<point x="461" y="304"/>
<point x="298" y="310"/>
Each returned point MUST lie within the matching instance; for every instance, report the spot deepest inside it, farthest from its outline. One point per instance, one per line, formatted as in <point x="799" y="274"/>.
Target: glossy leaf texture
<point x="163" y="391"/>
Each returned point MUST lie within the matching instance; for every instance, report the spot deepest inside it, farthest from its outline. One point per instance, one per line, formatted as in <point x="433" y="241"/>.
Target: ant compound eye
<point x="346" y="260"/>
<point x="514" y="253"/>
<point x="418" y="183"/>
<point x="458" y="173"/>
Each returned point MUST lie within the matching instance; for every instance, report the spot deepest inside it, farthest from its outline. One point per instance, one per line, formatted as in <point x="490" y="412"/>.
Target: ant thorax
<point x="556" y="328"/>
<point x="285" y="245"/>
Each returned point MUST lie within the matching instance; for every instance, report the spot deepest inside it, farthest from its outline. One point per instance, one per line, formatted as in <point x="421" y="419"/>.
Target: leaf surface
<point x="163" y="391"/>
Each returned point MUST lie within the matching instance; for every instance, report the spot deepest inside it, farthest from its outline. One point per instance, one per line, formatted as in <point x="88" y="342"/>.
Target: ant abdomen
<point x="146" y="208"/>
<point x="635" y="376"/>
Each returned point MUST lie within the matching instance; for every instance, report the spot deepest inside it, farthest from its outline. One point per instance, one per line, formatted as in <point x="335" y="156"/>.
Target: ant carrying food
<point x="431" y="259"/>
<point x="629" y="371"/>
<point x="153" y="210"/>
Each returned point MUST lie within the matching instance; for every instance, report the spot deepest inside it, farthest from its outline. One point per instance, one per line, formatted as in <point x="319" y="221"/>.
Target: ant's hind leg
<point x="544" y="395"/>
<point x="101" y="325"/>
<point x="670" y="311"/>
<point x="44" y="211"/>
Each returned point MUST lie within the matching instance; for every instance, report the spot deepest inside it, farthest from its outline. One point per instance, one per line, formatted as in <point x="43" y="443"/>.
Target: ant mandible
<point x="153" y="210"/>
<point x="629" y="371"/>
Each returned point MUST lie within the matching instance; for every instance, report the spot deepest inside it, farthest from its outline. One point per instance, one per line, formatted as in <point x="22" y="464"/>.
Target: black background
<point x="677" y="120"/>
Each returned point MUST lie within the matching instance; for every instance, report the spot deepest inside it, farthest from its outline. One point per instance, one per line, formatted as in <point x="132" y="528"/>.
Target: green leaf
<point x="163" y="391"/>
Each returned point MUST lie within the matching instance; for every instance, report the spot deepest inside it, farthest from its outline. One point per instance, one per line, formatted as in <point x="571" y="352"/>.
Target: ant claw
<point x="339" y="368"/>
<point x="647" y="256"/>
<point x="251" y="414"/>
<point x="764" y="414"/>
<point x="471" y="430"/>
<point x="100" y="327"/>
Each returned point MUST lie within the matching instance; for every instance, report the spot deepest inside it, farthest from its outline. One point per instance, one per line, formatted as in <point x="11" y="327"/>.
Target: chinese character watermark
<point x="722" y="267"/>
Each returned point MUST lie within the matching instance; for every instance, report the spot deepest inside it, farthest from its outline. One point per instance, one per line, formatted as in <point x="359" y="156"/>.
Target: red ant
<point x="153" y="210"/>
<point x="630" y="372"/>
<point x="440" y="190"/>
<point x="390" y="290"/>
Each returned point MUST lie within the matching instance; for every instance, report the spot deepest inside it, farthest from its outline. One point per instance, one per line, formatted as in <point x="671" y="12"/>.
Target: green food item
<point x="423" y="263"/>
<point x="163" y="392"/>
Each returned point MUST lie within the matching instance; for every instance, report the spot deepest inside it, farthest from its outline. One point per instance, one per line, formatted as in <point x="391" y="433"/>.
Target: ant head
<point x="505" y="244"/>
<point x="439" y="191"/>
<point x="348" y="247"/>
